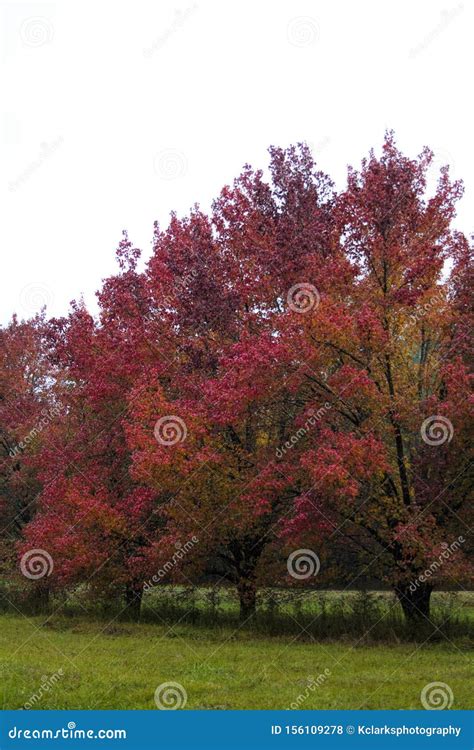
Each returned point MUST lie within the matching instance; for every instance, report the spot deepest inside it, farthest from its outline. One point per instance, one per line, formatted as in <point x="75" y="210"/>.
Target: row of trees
<point x="289" y="372"/>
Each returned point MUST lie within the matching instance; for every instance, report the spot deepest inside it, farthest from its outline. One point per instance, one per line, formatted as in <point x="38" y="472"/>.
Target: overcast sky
<point x="115" y="113"/>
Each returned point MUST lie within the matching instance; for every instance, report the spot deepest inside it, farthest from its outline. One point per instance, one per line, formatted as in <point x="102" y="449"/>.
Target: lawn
<point x="118" y="665"/>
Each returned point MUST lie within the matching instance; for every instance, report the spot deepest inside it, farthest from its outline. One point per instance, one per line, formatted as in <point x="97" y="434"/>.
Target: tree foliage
<point x="290" y="370"/>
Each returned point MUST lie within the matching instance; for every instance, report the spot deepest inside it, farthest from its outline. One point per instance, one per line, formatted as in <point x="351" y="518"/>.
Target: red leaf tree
<point x="390" y="467"/>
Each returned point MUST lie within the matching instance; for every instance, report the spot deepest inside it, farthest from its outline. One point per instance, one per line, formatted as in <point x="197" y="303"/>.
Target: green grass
<point x="118" y="665"/>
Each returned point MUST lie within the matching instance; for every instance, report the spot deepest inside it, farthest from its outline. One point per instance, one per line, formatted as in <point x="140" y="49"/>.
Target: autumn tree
<point x="27" y="408"/>
<point x="292" y="366"/>
<point x="221" y="282"/>
<point x="93" y="518"/>
<point x="390" y="467"/>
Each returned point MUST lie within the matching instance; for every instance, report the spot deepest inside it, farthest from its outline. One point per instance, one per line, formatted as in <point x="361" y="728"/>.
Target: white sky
<point x="114" y="113"/>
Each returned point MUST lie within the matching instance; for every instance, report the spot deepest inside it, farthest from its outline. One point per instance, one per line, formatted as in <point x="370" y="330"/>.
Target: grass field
<point x="101" y="665"/>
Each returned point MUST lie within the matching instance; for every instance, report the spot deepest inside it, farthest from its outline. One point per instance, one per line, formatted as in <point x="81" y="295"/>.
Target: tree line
<point x="283" y="385"/>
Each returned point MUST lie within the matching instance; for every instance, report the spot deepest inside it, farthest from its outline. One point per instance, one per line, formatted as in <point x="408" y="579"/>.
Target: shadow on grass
<point x="355" y="617"/>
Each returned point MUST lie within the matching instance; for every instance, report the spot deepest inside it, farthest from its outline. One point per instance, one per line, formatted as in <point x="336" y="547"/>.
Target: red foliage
<point x="271" y="376"/>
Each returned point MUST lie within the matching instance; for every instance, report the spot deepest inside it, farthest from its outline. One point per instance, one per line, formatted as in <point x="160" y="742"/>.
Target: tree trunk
<point x="39" y="600"/>
<point x="133" y="601"/>
<point x="247" y="591"/>
<point x="415" y="602"/>
<point x="245" y="556"/>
